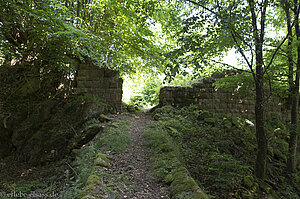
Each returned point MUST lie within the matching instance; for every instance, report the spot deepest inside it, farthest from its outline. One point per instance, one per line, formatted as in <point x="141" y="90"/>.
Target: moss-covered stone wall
<point x="100" y="82"/>
<point x="220" y="100"/>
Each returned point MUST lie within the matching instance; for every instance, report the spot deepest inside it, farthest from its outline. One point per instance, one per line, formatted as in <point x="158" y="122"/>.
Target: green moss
<point x="101" y="160"/>
<point x="95" y="188"/>
<point x="183" y="183"/>
<point x="115" y="125"/>
<point x="129" y="168"/>
<point x="104" y="118"/>
<point x="116" y="139"/>
<point x="132" y="108"/>
<point x="168" y="167"/>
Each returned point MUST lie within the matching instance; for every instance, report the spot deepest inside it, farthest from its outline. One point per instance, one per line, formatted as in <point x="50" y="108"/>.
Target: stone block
<point x="221" y="90"/>
<point x="110" y="73"/>
<point x="198" y="85"/>
<point x="80" y="90"/>
<point x="90" y="74"/>
<point x="88" y="66"/>
<point x="113" y="85"/>
<point x="80" y="78"/>
<point x="217" y="101"/>
<point x="92" y="84"/>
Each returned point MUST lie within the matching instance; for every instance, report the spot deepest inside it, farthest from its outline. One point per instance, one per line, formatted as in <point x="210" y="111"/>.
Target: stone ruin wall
<point x="100" y="82"/>
<point x="219" y="100"/>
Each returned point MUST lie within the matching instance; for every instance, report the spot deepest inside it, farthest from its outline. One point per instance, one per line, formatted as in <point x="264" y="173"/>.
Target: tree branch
<point x="202" y="6"/>
<point x="277" y="49"/>
<point x="244" y="56"/>
<point x="225" y="64"/>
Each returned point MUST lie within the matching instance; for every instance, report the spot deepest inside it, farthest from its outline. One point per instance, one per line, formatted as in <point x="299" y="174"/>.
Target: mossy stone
<point x="115" y="125"/>
<point x="183" y="182"/>
<point x="129" y="168"/>
<point x="104" y="118"/>
<point x="101" y="160"/>
<point x="51" y="127"/>
<point x="95" y="188"/>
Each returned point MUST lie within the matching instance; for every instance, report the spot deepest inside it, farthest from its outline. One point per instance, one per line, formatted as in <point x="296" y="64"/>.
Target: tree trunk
<point x="291" y="162"/>
<point x="78" y="8"/>
<point x="260" y="165"/>
<point x="286" y="7"/>
<point x="261" y="158"/>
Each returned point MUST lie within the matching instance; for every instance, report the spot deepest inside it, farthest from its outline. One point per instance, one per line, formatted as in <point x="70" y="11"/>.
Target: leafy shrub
<point x="148" y="96"/>
<point x="220" y="149"/>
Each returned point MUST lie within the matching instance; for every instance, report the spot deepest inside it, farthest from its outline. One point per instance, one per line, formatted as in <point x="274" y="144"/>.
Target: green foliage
<point x="90" y="156"/>
<point x="148" y="97"/>
<point x="76" y="178"/>
<point x="52" y="33"/>
<point x="244" y="82"/>
<point x="168" y="165"/>
<point x="116" y="139"/>
<point x="91" y="122"/>
<point x="219" y="150"/>
<point x="144" y="90"/>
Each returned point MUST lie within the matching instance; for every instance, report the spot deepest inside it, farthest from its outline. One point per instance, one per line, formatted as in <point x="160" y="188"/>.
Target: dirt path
<point x="135" y="163"/>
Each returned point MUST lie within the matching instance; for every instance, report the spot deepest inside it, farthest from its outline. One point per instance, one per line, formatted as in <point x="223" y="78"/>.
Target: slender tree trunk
<point x="286" y="8"/>
<point x="260" y="165"/>
<point x="78" y="8"/>
<point x="261" y="158"/>
<point x="291" y="162"/>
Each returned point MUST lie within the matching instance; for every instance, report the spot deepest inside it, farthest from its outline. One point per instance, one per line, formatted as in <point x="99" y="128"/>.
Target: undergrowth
<point x="114" y="139"/>
<point x="168" y="165"/>
<point x="220" y="150"/>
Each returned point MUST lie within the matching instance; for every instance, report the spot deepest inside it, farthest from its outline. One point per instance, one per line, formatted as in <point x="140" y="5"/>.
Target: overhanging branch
<point x="277" y="49"/>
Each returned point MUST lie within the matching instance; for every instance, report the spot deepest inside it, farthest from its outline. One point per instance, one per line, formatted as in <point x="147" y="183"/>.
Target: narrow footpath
<point x="135" y="163"/>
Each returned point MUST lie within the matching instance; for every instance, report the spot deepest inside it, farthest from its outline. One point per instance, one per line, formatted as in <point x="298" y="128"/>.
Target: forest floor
<point x="135" y="164"/>
<point x="132" y="164"/>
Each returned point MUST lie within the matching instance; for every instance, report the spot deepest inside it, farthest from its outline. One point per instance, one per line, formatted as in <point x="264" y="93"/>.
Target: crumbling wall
<point x="100" y="82"/>
<point x="219" y="100"/>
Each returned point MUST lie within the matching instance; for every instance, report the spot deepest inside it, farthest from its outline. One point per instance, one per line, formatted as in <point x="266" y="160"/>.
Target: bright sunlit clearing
<point x="231" y="58"/>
